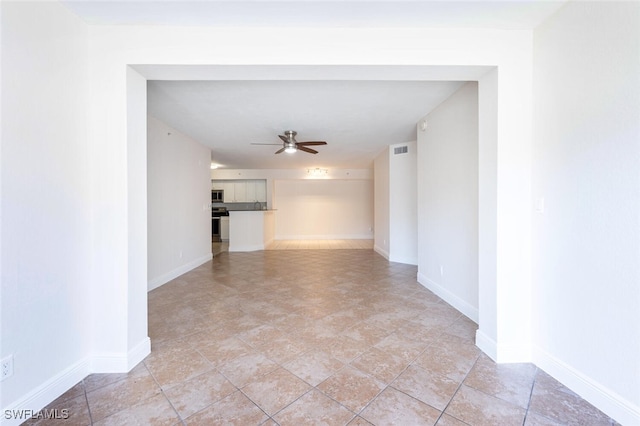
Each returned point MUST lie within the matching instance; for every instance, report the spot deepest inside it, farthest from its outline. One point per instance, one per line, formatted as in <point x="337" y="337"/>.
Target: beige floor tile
<point x="345" y="349"/>
<point x="95" y="381"/>
<point x="244" y="318"/>
<point x="65" y="411"/>
<point x="314" y="408"/>
<point x="274" y="391"/>
<point x="430" y="388"/>
<point x="282" y="349"/>
<point x="176" y="363"/>
<point x="314" y="366"/>
<point x="452" y="359"/>
<point x="393" y="407"/>
<point x="236" y="409"/>
<point x="359" y="421"/>
<point x="351" y="388"/>
<point x="401" y="346"/>
<point x="535" y="419"/>
<point x="447" y="420"/>
<point x="197" y="393"/>
<point x="117" y="396"/>
<point x="153" y="411"/>
<point x="477" y="408"/>
<point x="381" y="365"/>
<point x="510" y="382"/>
<point x="366" y="333"/>
<point x="464" y="328"/>
<point x="553" y="400"/>
<point x="220" y="352"/>
<point x="246" y="368"/>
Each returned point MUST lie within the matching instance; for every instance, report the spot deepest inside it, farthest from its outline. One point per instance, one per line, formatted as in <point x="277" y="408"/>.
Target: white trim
<point x="48" y="391"/>
<point x="463" y="306"/>
<point x="503" y="354"/>
<point x="405" y="260"/>
<point x="326" y="237"/>
<point x="165" y="278"/>
<point x="486" y="344"/>
<point x="118" y="362"/>
<point x="606" y="400"/>
<point x="241" y="248"/>
<point x="382" y="252"/>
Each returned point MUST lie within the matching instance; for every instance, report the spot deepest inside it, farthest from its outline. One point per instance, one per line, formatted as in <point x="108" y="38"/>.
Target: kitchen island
<point x="251" y="230"/>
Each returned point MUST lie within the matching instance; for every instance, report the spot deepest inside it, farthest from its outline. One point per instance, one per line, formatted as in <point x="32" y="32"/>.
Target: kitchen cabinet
<point x="229" y="192"/>
<point x="261" y="191"/>
<point x="242" y="191"/>
<point x="251" y="191"/>
<point x="224" y="228"/>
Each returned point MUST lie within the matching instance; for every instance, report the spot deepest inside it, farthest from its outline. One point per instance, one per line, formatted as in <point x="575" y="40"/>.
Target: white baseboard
<point x="326" y="237"/>
<point x="404" y="260"/>
<point x="607" y="401"/>
<point x="382" y="252"/>
<point x="47" y="392"/>
<point x="502" y="353"/>
<point x="183" y="269"/>
<point x="467" y="309"/>
<point x="487" y="345"/>
<point x="50" y="390"/>
<point x="241" y="248"/>
<point x="120" y="362"/>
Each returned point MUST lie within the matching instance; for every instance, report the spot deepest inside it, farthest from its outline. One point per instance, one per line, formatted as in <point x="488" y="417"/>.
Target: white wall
<point x="271" y="175"/>
<point x="458" y="54"/>
<point x="323" y="209"/>
<point x="46" y="220"/>
<point x="381" y="204"/>
<point x="179" y="186"/>
<point x="586" y="242"/>
<point x="396" y="211"/>
<point x="448" y="201"/>
<point x="115" y="285"/>
<point x="403" y="204"/>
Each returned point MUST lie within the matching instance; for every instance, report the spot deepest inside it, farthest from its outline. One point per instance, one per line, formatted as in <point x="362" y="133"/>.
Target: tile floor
<point x="315" y="337"/>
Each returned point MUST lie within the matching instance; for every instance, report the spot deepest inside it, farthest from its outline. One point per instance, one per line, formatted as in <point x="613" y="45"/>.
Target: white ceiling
<point x="505" y="14"/>
<point x="356" y="118"/>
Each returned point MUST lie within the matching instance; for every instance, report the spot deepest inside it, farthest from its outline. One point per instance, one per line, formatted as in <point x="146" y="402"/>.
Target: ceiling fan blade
<point x="284" y="138"/>
<point x="312" y="143"/>
<point x="305" y="149"/>
<point x="252" y="143"/>
<point x="280" y="150"/>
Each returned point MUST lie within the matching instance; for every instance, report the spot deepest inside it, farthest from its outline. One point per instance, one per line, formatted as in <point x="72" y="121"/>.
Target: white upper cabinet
<point x="229" y="192"/>
<point x="242" y="191"/>
<point x="251" y="191"/>
<point x="261" y="191"/>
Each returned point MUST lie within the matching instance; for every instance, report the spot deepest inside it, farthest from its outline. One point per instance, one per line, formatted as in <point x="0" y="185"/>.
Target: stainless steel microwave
<point x="217" y="195"/>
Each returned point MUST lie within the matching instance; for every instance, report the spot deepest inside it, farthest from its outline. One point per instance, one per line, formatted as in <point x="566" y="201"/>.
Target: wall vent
<point x="400" y="150"/>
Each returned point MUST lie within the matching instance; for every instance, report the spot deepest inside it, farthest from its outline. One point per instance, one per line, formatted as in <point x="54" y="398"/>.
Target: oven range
<point x="216" y="214"/>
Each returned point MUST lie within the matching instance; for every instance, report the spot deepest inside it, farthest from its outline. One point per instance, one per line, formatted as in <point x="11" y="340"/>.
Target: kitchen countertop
<point x="261" y="210"/>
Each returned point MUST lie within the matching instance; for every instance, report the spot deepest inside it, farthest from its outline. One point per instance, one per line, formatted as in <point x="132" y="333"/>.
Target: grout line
<point x="533" y="383"/>
<point x="457" y="390"/>
<point x="86" y="398"/>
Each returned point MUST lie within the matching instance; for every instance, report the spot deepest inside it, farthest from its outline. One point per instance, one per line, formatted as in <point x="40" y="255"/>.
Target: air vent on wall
<point x="400" y="150"/>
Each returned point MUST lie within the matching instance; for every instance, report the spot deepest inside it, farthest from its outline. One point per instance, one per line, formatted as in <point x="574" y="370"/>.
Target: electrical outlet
<point x="6" y="367"/>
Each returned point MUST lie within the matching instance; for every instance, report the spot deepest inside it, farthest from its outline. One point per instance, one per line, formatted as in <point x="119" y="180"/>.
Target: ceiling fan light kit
<point x="290" y="145"/>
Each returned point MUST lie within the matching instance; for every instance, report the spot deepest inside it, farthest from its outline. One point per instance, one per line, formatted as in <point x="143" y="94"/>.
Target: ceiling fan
<point x="290" y="145"/>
